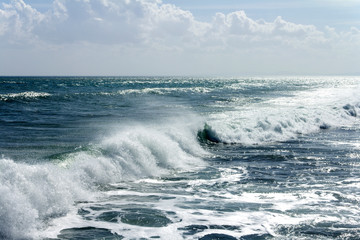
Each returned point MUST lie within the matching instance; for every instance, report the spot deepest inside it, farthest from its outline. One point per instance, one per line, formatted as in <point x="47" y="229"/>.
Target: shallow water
<point x="179" y="158"/>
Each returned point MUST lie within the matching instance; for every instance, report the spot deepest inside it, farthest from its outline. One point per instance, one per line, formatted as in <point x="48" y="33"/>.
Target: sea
<point x="204" y="158"/>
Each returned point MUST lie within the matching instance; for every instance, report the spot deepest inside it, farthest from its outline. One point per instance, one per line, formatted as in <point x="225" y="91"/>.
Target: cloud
<point x="237" y="25"/>
<point x="137" y="22"/>
<point x="17" y="21"/>
<point x="105" y="22"/>
<point x="143" y="28"/>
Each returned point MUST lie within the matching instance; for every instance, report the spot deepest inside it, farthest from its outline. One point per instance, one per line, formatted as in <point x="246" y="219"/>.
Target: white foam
<point x="164" y="91"/>
<point x="285" y="118"/>
<point x="30" y="94"/>
<point x="226" y="175"/>
<point x="29" y="194"/>
<point x="193" y="208"/>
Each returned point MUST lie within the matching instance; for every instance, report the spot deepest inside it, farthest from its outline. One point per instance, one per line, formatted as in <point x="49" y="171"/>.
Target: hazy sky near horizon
<point x="179" y="37"/>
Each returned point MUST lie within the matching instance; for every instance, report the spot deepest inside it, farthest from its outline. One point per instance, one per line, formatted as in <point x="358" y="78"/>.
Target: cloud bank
<point x="136" y="37"/>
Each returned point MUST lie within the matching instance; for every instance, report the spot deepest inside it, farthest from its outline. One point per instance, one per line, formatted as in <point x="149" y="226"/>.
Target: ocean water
<point x="179" y="158"/>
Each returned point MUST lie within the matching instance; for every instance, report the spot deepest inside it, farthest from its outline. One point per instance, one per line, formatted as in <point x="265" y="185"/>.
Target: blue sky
<point x="179" y="37"/>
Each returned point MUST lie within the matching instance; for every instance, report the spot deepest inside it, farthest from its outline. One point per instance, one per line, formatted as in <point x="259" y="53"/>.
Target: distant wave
<point x="23" y="95"/>
<point x="283" y="119"/>
<point x="272" y="128"/>
<point x="151" y="91"/>
<point x="163" y="91"/>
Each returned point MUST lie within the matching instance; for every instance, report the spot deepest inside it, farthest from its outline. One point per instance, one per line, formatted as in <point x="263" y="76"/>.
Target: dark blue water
<point x="179" y="158"/>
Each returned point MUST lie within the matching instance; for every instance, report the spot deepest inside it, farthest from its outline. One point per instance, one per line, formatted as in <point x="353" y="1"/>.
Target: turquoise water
<point x="179" y="158"/>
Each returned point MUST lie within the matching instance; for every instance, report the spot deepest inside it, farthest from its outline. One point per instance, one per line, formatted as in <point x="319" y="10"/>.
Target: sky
<point x="179" y="37"/>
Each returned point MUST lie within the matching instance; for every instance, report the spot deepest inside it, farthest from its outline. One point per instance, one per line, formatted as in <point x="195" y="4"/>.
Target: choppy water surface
<point x="179" y="158"/>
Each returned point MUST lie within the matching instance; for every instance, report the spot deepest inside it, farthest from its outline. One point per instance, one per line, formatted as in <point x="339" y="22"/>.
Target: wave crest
<point x="269" y="125"/>
<point x="31" y="195"/>
<point x="23" y="95"/>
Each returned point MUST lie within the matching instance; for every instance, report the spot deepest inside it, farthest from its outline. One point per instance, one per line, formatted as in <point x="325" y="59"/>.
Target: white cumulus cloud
<point x="17" y="20"/>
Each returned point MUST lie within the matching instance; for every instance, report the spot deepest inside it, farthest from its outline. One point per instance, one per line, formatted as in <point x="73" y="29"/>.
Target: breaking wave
<point x="274" y="127"/>
<point x="283" y="119"/>
<point x="41" y="192"/>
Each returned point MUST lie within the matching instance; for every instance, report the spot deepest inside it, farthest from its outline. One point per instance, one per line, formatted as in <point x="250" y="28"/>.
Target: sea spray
<point x="34" y="194"/>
